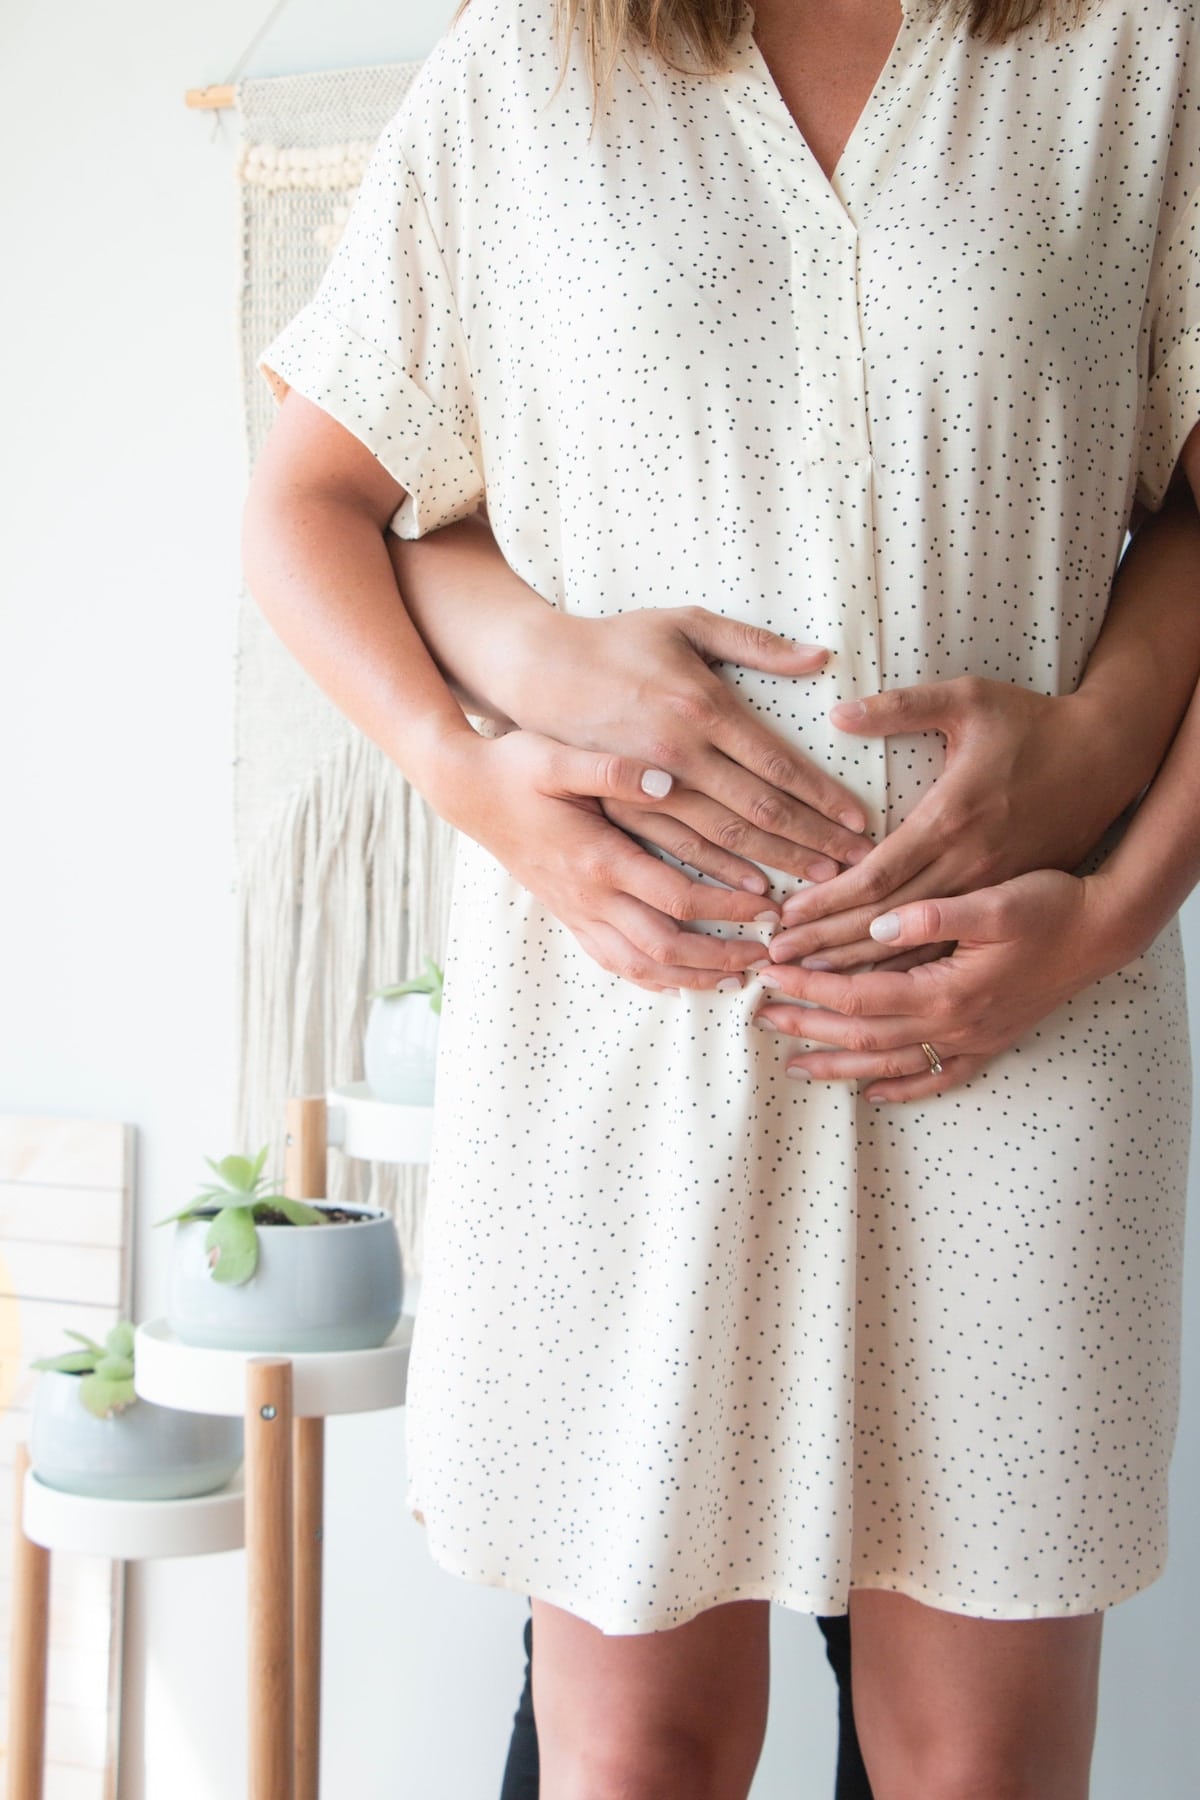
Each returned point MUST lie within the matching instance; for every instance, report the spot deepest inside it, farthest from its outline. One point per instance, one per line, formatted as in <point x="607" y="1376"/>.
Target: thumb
<point x="719" y="639"/>
<point x="985" y="916"/>
<point x="596" y="775"/>
<point x="928" y="707"/>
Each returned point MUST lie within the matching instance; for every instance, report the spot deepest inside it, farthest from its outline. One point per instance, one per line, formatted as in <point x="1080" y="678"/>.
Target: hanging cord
<point x="256" y="40"/>
<point x="231" y="79"/>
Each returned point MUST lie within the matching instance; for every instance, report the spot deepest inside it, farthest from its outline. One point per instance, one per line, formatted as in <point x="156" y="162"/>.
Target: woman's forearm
<point x="476" y="615"/>
<point x="1145" y="663"/>
<point x="1157" y="863"/>
<point x="317" y="565"/>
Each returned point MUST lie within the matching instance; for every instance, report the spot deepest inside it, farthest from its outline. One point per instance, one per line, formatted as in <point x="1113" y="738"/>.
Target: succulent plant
<point x="106" y="1387"/>
<point x="238" y="1201"/>
<point x="429" y="981"/>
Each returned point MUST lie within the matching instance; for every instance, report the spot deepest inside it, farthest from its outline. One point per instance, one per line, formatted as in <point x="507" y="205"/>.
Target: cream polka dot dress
<point x="690" y="1331"/>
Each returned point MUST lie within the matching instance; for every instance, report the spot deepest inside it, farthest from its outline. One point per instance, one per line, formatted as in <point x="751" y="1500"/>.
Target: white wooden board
<point x="65" y="1211"/>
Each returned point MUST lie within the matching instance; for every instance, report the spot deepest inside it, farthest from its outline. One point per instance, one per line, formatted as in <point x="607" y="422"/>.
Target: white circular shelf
<point x="324" y="1382"/>
<point x="133" y="1529"/>
<point x="376" y="1130"/>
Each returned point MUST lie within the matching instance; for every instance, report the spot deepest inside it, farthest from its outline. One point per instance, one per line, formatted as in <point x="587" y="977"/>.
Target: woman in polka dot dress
<point x="872" y="336"/>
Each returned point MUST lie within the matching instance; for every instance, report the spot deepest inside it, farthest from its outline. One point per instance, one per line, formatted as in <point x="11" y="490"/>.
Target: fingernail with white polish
<point x="762" y="1023"/>
<point x="849" y="712"/>
<point x="816" y="962"/>
<point x="798" y="1074"/>
<point x="754" y="884"/>
<point x="769" y="980"/>
<point x="822" y="869"/>
<point x="731" y="984"/>
<point x="656" y="783"/>
<point x="771" y="918"/>
<point x="885" y="928"/>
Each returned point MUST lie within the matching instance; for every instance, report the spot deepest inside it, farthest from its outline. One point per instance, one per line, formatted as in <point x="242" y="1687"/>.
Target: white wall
<point x="119" y="498"/>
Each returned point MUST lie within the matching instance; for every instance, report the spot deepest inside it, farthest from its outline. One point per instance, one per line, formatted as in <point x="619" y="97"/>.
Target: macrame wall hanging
<point x="344" y="872"/>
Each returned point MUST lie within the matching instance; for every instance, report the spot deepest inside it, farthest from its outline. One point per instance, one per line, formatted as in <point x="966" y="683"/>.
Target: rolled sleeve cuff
<point x="411" y="435"/>
<point x="1172" y="412"/>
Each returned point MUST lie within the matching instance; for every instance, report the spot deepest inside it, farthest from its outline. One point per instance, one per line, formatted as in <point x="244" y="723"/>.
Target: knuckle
<point x="874" y="884"/>
<point x="676" y="903"/>
<point x="732" y="834"/>
<point x="778" y="768"/>
<point x="691" y="708"/>
<point x="666" y="753"/>
<point x="860" y="1041"/>
<point x="595" y="869"/>
<point x="769" y="812"/>
<point x="685" y="847"/>
<point x="971" y="690"/>
<point x="756" y="638"/>
<point x="608" y="773"/>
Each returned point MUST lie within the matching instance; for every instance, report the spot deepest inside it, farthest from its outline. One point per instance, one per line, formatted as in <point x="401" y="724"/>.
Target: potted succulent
<point x="400" y="1052"/>
<point x="252" y="1269"/>
<point x="92" y="1435"/>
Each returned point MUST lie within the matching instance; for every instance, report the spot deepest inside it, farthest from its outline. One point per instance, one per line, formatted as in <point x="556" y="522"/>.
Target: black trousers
<point x="521" y="1770"/>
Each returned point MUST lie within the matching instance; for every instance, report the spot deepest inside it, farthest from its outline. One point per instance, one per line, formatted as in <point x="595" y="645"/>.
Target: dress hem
<point x="612" y="1626"/>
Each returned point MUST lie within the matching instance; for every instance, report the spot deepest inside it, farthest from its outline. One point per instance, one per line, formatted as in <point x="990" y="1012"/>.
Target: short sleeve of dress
<point x="380" y="348"/>
<point x="1172" y="407"/>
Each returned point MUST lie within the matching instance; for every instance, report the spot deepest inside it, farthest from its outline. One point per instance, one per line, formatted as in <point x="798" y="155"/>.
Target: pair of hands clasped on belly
<point x="621" y="701"/>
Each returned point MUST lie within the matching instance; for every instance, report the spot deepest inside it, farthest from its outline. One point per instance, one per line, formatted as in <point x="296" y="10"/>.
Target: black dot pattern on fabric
<point x="690" y="1331"/>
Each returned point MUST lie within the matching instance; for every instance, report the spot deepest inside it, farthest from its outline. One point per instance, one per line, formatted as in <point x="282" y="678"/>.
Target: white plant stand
<point x="285" y="1401"/>
<point x="48" y="1520"/>
<point x="375" y="1130"/>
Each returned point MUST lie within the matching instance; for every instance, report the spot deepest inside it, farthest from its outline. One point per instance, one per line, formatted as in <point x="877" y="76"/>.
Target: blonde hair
<point x="695" y="36"/>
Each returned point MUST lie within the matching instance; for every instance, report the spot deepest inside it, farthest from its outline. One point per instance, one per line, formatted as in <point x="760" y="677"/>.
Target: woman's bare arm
<point x="317" y="564"/>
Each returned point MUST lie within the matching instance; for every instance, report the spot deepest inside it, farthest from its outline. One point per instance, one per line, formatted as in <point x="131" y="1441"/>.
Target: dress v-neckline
<point x="758" y="68"/>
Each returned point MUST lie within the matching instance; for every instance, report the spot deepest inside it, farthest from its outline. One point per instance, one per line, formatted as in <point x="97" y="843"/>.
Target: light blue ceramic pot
<point x="147" y="1452"/>
<point x="316" y="1287"/>
<point x="400" y="1049"/>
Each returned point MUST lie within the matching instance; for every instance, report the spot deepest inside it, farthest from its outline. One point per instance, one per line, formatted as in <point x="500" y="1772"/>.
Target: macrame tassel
<point x="347" y="891"/>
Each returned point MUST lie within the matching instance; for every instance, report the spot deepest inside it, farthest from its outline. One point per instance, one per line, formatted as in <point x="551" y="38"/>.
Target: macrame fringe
<point x="347" y="891"/>
<point x="324" y="168"/>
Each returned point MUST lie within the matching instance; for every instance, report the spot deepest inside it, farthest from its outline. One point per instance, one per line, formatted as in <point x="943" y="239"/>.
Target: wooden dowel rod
<point x="270" y="1683"/>
<point x="310" y="1534"/>
<point x="30" y="1634"/>
<point x="211" y="99"/>
<point x="304" y="1152"/>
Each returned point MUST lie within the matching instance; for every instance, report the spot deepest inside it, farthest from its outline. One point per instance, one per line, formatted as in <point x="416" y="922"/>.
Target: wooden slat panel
<point x="65" y="1152"/>
<point x="63" y="1782"/>
<point x="74" y="1273"/>
<point x="65" y="1215"/>
<point x="65" y="1205"/>
<point x="41" y="1328"/>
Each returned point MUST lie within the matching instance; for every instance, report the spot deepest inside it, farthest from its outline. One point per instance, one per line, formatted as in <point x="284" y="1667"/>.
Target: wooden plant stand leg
<point x="30" y="1639"/>
<point x="271" y="1688"/>
<point x="310" y="1533"/>
<point x="305" y="1179"/>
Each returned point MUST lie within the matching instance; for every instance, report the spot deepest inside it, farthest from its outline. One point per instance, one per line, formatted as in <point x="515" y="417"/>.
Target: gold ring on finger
<point x="933" y="1059"/>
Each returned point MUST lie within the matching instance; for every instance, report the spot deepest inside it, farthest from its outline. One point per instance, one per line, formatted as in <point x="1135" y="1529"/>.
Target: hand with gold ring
<point x="1022" y="949"/>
